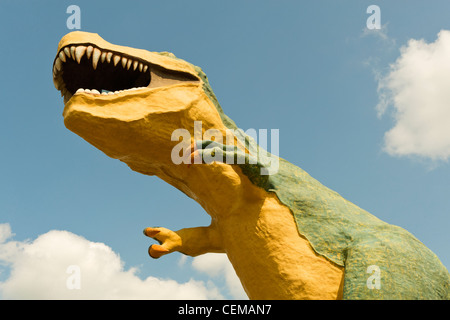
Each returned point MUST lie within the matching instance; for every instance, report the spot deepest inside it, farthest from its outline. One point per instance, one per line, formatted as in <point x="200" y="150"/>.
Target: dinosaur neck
<point x="219" y="188"/>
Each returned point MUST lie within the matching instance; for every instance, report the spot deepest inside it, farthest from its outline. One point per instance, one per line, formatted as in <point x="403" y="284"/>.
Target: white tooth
<point x="95" y="56"/>
<point x="129" y="62"/>
<point x="67" y="52"/>
<point x="124" y="62"/>
<point x="145" y="68"/>
<point x="140" y="66"/>
<point x="109" y="56"/>
<point x="72" y="52"/>
<point x="62" y="56"/>
<point x="116" y="92"/>
<point x="95" y="91"/>
<point x="135" y="64"/>
<point x="103" y="56"/>
<point x="79" y="53"/>
<point x="87" y="90"/>
<point x="116" y="60"/>
<point x="58" y="64"/>
<point x="89" y="51"/>
<point x="110" y="92"/>
<point x="80" y="90"/>
<point x="104" y="93"/>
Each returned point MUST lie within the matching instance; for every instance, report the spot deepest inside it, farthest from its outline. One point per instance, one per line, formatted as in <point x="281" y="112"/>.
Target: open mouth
<point x="85" y="68"/>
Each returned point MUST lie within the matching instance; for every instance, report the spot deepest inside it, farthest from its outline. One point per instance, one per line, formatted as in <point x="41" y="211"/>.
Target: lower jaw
<point x="95" y="92"/>
<point x="106" y="92"/>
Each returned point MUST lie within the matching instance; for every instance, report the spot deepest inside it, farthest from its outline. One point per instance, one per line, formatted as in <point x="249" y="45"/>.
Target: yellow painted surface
<point x="250" y="225"/>
<point x="261" y="239"/>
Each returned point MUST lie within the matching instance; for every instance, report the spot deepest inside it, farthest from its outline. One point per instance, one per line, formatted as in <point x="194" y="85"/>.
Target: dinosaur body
<point x="286" y="235"/>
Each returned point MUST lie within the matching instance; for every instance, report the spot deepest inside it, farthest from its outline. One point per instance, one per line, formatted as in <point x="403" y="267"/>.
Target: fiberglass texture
<point x="350" y="236"/>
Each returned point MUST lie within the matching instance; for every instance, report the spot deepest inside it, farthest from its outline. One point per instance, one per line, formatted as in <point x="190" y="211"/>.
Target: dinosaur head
<point x="127" y="102"/>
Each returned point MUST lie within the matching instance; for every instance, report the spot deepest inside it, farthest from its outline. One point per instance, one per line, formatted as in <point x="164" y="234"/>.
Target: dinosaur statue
<point x="286" y="235"/>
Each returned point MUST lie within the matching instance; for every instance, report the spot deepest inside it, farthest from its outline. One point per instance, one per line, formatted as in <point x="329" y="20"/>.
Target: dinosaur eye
<point x="86" y="68"/>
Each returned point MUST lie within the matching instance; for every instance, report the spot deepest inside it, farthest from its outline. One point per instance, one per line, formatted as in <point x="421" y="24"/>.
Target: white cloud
<point x="215" y="265"/>
<point x="417" y="88"/>
<point x="381" y="34"/>
<point x="5" y="232"/>
<point x="39" y="270"/>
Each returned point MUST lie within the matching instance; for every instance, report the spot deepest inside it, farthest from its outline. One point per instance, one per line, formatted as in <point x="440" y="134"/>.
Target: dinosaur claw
<point x="151" y="232"/>
<point x="155" y="251"/>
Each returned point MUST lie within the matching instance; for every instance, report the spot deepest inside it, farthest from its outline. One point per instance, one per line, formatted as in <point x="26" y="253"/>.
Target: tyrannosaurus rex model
<point x="286" y="235"/>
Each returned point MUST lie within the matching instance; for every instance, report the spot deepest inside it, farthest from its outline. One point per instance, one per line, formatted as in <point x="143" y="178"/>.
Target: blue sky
<point x="310" y="69"/>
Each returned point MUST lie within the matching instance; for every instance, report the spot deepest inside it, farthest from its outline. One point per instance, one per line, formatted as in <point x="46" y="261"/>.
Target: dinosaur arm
<point x="189" y="241"/>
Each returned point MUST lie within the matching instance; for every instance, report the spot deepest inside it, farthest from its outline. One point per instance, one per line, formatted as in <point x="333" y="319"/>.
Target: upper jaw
<point x="86" y="61"/>
<point x="86" y="66"/>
